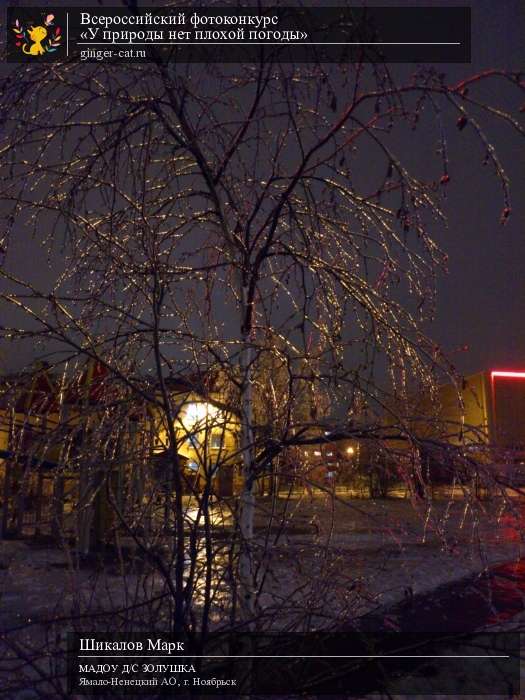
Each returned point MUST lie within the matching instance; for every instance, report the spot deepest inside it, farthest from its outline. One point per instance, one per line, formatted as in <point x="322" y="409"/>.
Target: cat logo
<point x="38" y="40"/>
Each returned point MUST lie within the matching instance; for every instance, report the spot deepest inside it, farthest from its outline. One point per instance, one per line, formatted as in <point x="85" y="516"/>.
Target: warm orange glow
<point x="514" y="375"/>
<point x="196" y="413"/>
<point x="350" y="450"/>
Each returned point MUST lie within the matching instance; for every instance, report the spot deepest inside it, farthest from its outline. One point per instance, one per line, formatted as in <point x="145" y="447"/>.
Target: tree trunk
<point x="6" y="496"/>
<point x="38" y="502"/>
<point x="247" y="498"/>
<point x="57" y="507"/>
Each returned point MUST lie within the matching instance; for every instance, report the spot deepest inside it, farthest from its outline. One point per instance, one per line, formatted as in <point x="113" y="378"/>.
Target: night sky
<point x="481" y="302"/>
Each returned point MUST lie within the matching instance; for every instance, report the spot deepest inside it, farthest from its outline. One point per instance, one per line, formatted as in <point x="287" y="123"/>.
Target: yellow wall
<point x="205" y="434"/>
<point x="468" y="413"/>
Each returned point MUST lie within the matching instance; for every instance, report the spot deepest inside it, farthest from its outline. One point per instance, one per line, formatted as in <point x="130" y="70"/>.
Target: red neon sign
<point x="513" y="375"/>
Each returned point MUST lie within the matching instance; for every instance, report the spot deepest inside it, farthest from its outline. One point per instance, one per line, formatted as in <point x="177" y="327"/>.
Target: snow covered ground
<point x="384" y="549"/>
<point x="334" y="558"/>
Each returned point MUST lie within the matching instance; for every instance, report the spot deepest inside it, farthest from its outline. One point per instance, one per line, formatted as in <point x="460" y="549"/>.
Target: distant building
<point x="489" y="408"/>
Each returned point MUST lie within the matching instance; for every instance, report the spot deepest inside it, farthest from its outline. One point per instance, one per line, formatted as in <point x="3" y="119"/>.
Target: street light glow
<point x="199" y="411"/>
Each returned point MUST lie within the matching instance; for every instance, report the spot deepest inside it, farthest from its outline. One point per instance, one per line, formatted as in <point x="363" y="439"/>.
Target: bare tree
<point x="255" y="223"/>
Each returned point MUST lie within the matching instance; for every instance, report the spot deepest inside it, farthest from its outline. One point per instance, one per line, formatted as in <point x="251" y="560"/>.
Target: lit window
<point x="317" y="453"/>
<point x="216" y="441"/>
<point x="193" y="441"/>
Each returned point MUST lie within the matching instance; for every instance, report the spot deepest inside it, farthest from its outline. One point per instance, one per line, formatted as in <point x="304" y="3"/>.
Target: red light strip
<point x="514" y="375"/>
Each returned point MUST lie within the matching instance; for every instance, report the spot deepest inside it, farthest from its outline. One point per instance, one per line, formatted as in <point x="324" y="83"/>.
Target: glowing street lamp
<point x="198" y="412"/>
